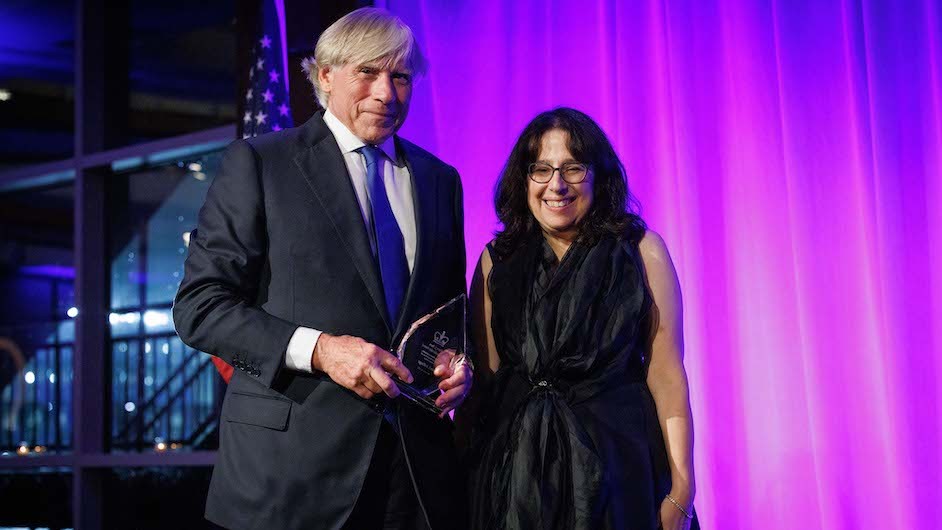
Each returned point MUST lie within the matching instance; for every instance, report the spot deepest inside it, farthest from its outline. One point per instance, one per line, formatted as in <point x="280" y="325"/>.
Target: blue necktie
<point x="390" y="247"/>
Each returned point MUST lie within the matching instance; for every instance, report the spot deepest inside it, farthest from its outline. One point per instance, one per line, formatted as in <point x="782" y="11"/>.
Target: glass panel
<point x="156" y="498"/>
<point x="182" y="67"/>
<point x="36" y="326"/>
<point x="163" y="392"/>
<point x="36" y="499"/>
<point x="37" y="74"/>
<point x="125" y="282"/>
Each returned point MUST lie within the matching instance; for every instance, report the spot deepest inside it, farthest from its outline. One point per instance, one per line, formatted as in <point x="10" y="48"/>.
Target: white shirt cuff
<point x="301" y="348"/>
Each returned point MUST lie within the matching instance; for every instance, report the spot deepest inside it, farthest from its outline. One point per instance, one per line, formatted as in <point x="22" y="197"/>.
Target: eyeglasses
<point x="572" y="172"/>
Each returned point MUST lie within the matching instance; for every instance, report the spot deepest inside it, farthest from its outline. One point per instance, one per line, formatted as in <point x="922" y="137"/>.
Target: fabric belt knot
<point x="390" y="246"/>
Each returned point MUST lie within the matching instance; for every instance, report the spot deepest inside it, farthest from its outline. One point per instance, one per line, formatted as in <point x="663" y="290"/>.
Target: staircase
<point x="165" y="395"/>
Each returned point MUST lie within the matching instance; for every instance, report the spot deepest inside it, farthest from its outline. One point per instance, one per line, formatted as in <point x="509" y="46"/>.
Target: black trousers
<point x="387" y="500"/>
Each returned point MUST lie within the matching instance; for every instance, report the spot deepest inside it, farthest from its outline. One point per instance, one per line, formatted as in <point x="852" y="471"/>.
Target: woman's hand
<point x="456" y="378"/>
<point x="671" y="518"/>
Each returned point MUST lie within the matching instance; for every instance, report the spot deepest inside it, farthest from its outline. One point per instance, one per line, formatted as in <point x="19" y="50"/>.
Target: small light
<point x="148" y="381"/>
<point x="72" y="312"/>
<point x="30" y="378"/>
<point x="146" y="347"/>
<point x="174" y="445"/>
<point x="5" y="95"/>
<point x="52" y="378"/>
<point x="195" y="166"/>
<point x="23" y="450"/>
<point x="160" y="447"/>
<point x="186" y="238"/>
<point x="153" y="319"/>
<point x="165" y="349"/>
<point x="130" y="406"/>
<point x="200" y="176"/>
<point x="124" y="318"/>
<point x="39" y="449"/>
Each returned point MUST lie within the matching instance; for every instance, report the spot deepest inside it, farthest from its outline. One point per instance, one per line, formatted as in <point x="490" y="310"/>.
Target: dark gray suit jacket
<point x="281" y="243"/>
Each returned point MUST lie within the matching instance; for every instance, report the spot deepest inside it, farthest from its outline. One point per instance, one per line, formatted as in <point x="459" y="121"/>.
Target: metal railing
<point x="165" y="395"/>
<point x="171" y="400"/>
<point x="36" y="402"/>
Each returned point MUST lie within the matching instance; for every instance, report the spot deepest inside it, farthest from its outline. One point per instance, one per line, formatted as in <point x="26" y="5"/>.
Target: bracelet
<point x="461" y="359"/>
<point x="679" y="507"/>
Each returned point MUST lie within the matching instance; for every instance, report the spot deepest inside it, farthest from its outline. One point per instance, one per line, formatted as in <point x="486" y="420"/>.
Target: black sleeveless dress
<point x="568" y="437"/>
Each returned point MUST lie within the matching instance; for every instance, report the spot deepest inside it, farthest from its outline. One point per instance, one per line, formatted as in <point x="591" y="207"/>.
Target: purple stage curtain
<point x="790" y="153"/>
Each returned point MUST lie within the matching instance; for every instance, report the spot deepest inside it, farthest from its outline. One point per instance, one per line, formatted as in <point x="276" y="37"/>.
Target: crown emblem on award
<point x="440" y="338"/>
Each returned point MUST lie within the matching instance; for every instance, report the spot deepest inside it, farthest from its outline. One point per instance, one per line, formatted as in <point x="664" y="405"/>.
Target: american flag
<point x="266" y="105"/>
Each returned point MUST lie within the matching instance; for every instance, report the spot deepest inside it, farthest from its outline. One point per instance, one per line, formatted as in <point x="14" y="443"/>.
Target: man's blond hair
<point x="367" y="35"/>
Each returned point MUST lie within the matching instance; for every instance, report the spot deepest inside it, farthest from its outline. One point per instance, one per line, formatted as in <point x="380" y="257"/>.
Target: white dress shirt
<point x="398" y="184"/>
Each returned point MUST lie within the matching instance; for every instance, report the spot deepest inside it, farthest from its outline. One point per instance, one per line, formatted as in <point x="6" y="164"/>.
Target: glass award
<point x="420" y="347"/>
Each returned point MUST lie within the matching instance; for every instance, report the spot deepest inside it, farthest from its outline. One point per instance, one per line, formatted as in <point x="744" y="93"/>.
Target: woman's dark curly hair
<point x="614" y="209"/>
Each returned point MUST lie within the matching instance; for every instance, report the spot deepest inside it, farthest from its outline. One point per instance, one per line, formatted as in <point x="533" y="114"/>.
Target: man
<point x="315" y="250"/>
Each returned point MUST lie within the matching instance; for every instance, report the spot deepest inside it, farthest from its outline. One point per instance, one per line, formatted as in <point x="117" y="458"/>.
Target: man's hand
<point x="358" y="365"/>
<point x="456" y="381"/>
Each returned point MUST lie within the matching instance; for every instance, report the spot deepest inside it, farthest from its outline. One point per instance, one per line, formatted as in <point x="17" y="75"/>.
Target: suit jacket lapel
<point x="424" y="191"/>
<point x="326" y="173"/>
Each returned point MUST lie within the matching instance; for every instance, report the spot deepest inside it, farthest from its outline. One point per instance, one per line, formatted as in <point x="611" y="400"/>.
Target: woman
<point x="577" y="325"/>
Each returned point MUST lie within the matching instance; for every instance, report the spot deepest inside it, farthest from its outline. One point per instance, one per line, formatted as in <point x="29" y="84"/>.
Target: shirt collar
<point x="349" y="142"/>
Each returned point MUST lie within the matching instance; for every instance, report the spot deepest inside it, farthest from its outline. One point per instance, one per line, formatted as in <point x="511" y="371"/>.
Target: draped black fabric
<point x="568" y="436"/>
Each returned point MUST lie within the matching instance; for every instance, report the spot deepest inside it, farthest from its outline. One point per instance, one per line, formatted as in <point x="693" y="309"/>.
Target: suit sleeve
<point x="215" y="309"/>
